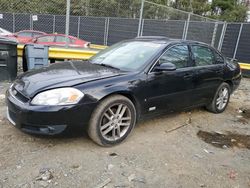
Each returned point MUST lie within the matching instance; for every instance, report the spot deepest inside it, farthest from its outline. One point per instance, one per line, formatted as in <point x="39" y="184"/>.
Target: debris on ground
<point x="208" y="151"/>
<point x="244" y="115"/>
<point x="131" y="177"/>
<point x="225" y="140"/>
<point x="45" y="174"/>
<point x="245" y="112"/>
<point x="113" y="154"/>
<point x="104" y="183"/>
<point x="75" y="166"/>
<point x="171" y="130"/>
<point x="232" y="175"/>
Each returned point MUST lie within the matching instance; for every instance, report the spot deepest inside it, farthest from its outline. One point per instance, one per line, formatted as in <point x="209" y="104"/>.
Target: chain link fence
<point x="106" y="22"/>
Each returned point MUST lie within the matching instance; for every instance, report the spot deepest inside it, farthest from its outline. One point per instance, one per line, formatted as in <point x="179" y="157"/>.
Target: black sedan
<point x="124" y="83"/>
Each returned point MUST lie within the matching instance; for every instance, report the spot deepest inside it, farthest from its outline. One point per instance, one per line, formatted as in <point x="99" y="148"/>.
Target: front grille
<point x="19" y="96"/>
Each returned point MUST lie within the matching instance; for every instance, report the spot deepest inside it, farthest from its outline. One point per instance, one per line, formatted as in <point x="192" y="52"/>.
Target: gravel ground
<point x="155" y="155"/>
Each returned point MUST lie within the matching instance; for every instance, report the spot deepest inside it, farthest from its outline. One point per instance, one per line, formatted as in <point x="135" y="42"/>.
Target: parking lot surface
<point x="185" y="149"/>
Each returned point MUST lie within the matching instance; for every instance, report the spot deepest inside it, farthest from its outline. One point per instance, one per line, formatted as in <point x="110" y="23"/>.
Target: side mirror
<point x="165" y="67"/>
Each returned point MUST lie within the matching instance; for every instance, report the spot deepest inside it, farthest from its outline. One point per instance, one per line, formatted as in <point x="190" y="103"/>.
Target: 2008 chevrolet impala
<point x="130" y="80"/>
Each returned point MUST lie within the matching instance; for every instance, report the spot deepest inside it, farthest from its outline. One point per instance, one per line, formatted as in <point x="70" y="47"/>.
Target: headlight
<point x="60" y="96"/>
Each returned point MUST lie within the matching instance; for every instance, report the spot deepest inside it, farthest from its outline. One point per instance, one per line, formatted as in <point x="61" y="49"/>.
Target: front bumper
<point x="46" y="120"/>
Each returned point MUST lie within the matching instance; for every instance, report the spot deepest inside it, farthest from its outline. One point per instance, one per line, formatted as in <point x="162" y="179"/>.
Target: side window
<point x="60" y="39"/>
<point x="24" y="34"/>
<point x="203" y="56"/>
<point x="36" y="34"/>
<point x="178" y="55"/>
<point x="218" y="58"/>
<point x="46" y="39"/>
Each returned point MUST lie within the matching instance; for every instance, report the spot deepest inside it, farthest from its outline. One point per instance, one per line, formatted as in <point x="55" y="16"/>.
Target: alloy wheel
<point x="222" y="98"/>
<point x="115" y="122"/>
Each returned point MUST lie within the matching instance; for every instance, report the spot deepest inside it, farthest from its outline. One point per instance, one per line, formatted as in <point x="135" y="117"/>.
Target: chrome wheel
<point x="115" y="122"/>
<point x="222" y="98"/>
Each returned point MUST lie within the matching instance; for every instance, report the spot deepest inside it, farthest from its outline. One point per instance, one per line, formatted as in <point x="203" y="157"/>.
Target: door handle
<point x="188" y="76"/>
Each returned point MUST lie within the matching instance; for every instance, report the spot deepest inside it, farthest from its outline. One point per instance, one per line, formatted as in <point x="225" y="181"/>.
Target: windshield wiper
<point x="107" y="65"/>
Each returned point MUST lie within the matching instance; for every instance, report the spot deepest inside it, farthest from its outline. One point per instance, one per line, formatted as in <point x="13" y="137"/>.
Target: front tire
<point x="112" y="120"/>
<point x="220" y="100"/>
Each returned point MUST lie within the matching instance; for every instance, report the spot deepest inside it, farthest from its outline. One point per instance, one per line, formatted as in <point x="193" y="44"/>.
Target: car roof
<point x="57" y="34"/>
<point x="166" y="40"/>
<point x="30" y="31"/>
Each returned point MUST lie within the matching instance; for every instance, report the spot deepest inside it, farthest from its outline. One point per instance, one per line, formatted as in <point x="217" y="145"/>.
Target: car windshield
<point x="127" y="56"/>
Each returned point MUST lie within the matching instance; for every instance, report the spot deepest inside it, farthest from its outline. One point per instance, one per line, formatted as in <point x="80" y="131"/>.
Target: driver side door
<point x="171" y="90"/>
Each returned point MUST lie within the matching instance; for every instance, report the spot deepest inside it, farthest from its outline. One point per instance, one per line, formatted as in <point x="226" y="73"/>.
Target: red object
<point x="26" y="36"/>
<point x="60" y="40"/>
<point x="232" y="175"/>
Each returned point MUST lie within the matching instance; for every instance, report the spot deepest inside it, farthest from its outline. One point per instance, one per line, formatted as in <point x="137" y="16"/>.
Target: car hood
<point x="64" y="74"/>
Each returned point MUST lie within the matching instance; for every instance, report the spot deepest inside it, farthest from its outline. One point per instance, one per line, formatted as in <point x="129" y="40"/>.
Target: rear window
<point x="37" y="34"/>
<point x="203" y="55"/>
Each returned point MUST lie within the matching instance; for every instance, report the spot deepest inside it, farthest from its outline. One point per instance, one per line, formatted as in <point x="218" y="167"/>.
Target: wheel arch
<point x="128" y="95"/>
<point x="230" y="83"/>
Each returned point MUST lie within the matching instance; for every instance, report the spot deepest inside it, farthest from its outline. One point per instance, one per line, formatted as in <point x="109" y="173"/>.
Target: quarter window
<point x="178" y="55"/>
<point x="203" y="56"/>
<point x="36" y="34"/>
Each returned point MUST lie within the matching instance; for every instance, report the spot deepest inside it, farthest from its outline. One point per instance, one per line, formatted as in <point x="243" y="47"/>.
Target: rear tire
<point x="220" y="100"/>
<point x="112" y="121"/>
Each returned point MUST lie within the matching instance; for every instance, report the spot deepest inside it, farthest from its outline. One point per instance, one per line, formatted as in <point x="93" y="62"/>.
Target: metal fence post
<point x="106" y="31"/>
<point x="238" y="40"/>
<point x="187" y="25"/>
<point x="31" y="22"/>
<point x="140" y="19"/>
<point x="67" y="22"/>
<point x="13" y="27"/>
<point x="184" y="30"/>
<point x="142" y="25"/>
<point x="78" y="26"/>
<point x="214" y="33"/>
<point x="54" y="24"/>
<point x="222" y="36"/>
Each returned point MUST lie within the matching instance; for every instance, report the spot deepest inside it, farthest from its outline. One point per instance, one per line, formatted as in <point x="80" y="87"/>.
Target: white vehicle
<point x="4" y="32"/>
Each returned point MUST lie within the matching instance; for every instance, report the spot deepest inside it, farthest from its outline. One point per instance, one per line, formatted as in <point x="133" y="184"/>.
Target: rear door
<point x="170" y="90"/>
<point x="46" y="40"/>
<point x="208" y="66"/>
<point x="60" y="41"/>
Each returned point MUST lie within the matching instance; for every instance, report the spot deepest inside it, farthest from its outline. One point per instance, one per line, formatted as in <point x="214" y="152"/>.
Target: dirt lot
<point x="155" y="155"/>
